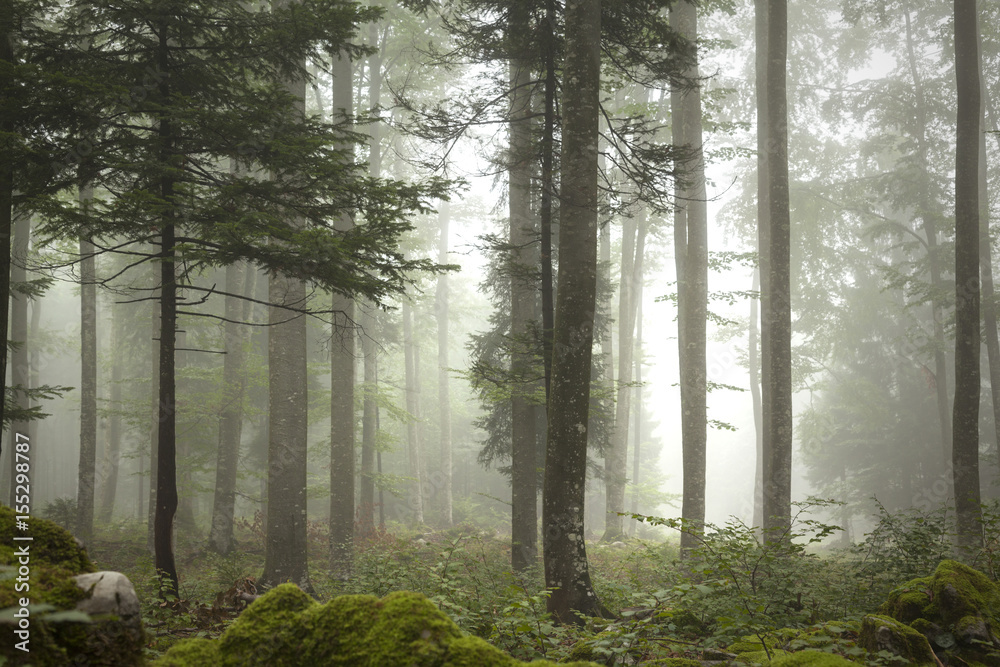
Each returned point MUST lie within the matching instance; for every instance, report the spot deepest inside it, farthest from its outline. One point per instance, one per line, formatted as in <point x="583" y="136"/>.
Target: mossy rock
<point x="957" y="609"/>
<point x="883" y="633"/>
<point x="287" y="628"/>
<point x="812" y="659"/>
<point x="56" y="634"/>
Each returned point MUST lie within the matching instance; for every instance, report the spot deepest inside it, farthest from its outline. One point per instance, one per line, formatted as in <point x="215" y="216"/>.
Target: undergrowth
<point x="731" y="586"/>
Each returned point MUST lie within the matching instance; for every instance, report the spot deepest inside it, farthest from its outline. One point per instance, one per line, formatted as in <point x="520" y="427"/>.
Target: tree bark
<point x="965" y="439"/>
<point x="220" y="538"/>
<point x="110" y="489"/>
<point x="86" y="472"/>
<point x="637" y="428"/>
<point x="633" y="249"/>
<point x="691" y="234"/>
<point x="444" y="393"/>
<point x="342" y="381"/>
<point x="523" y="475"/>
<point x="285" y="557"/>
<point x="986" y="265"/>
<point x="776" y="299"/>
<point x="565" y="550"/>
<point x="154" y="426"/>
<point x="416" y="502"/>
<point x="369" y="428"/>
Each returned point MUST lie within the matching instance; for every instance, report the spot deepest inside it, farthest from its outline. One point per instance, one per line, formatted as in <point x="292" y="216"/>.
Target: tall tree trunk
<point x="633" y="249"/>
<point x="342" y="379"/>
<point x="20" y="375"/>
<point x="444" y="394"/>
<point x="154" y="425"/>
<point x="776" y="298"/>
<point x="763" y="240"/>
<point x="184" y="517"/>
<point x="691" y="234"/>
<point x="965" y="440"/>
<point x="637" y="412"/>
<point x="523" y="475"/>
<point x="110" y="489"/>
<point x="166" y="437"/>
<point x="566" y="567"/>
<point x="369" y="428"/>
<point x="986" y="264"/>
<point x="88" y="386"/>
<point x="166" y="463"/>
<point x="285" y="557"/>
<point x="416" y="502"/>
<point x="220" y="538"/>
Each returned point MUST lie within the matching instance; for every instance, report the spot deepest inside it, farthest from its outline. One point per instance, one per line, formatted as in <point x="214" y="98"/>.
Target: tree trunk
<point x="523" y="475"/>
<point x="154" y="427"/>
<point x="342" y="381"/>
<point x="986" y="267"/>
<point x="20" y="374"/>
<point x="637" y="428"/>
<point x="691" y="233"/>
<point x="88" y="386"/>
<point x="633" y="248"/>
<point x="416" y="503"/>
<point x="776" y="299"/>
<point x="369" y="420"/>
<point x="166" y="459"/>
<point x="110" y="489"/>
<point x="220" y="538"/>
<point x="444" y="394"/>
<point x="565" y="551"/>
<point x="965" y="440"/>
<point x="369" y="428"/>
<point x="285" y="557"/>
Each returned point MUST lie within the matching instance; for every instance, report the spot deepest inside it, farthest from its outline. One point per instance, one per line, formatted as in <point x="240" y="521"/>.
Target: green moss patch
<point x="812" y="659"/>
<point x="53" y="558"/>
<point x="286" y="627"/>
<point x="957" y="609"/>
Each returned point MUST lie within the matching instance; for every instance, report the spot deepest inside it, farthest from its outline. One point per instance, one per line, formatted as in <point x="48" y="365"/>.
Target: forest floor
<point x="733" y="588"/>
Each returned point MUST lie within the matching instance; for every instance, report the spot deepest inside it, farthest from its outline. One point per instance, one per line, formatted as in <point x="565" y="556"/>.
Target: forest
<point x="473" y="332"/>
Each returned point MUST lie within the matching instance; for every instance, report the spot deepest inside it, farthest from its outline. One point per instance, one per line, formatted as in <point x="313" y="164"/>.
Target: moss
<point x="674" y="662"/>
<point x="956" y="608"/>
<point x="55" y="558"/>
<point x="337" y="630"/>
<point x="760" y="657"/>
<point x="270" y="627"/>
<point x="191" y="653"/>
<point x="286" y="627"/>
<point x="475" y="652"/>
<point x="880" y="633"/>
<point x="812" y="659"/>
<point x="410" y="630"/>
